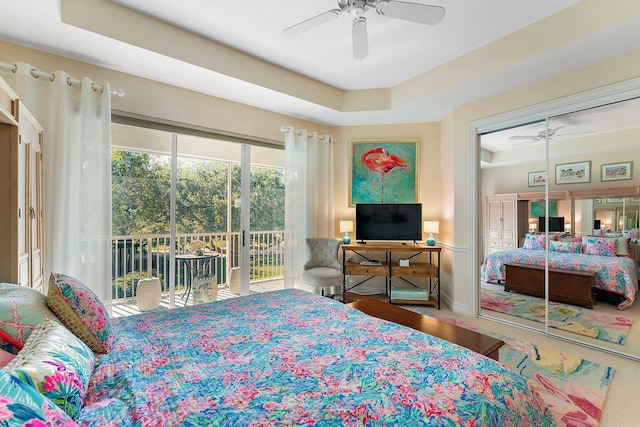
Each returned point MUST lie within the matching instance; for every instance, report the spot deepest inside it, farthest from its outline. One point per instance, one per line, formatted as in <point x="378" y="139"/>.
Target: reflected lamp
<point x="431" y="227"/>
<point x="346" y="226"/>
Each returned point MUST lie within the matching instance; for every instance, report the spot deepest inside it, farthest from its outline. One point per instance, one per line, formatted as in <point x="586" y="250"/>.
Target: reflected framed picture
<point x="615" y="171"/>
<point x="634" y="199"/>
<point x="573" y="173"/>
<point x="537" y="179"/>
<point x="383" y="171"/>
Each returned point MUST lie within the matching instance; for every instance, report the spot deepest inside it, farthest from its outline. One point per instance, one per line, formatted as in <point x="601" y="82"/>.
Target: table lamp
<point x="346" y="225"/>
<point x="431" y="227"/>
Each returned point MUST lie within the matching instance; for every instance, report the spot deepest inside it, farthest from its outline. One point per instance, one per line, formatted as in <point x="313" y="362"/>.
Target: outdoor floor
<point x="129" y="307"/>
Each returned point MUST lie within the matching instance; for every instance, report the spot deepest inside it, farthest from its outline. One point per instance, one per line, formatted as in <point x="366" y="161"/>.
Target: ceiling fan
<point x="415" y="12"/>
<point x="542" y="135"/>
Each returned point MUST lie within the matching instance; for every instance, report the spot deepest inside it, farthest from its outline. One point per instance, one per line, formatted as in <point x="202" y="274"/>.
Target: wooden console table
<point x="389" y="269"/>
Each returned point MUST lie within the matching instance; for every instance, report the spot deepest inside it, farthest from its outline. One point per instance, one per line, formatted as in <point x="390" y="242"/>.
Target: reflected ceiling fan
<point x="415" y="12"/>
<point x="542" y="136"/>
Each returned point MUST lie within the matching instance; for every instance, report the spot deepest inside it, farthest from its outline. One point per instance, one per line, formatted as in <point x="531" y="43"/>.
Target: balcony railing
<point x="141" y="256"/>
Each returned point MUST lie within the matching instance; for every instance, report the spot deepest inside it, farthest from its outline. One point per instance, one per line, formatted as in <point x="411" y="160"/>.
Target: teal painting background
<point x="537" y="208"/>
<point x="400" y="186"/>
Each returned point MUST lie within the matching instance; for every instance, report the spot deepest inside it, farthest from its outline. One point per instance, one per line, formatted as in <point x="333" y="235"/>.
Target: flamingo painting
<point x="379" y="160"/>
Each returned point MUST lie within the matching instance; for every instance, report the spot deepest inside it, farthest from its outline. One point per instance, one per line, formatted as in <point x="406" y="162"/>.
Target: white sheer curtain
<point x="76" y="117"/>
<point x="309" y="204"/>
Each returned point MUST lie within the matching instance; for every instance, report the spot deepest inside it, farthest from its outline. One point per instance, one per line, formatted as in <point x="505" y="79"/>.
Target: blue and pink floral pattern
<point x="22" y="406"/>
<point x="600" y="246"/>
<point x="618" y="275"/>
<point x="293" y="358"/>
<point x="57" y="364"/>
<point x="534" y="242"/>
<point x="569" y="247"/>
<point x="81" y="311"/>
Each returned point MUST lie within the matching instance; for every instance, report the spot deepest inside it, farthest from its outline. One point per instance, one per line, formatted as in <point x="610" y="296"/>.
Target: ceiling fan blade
<point x="420" y="13"/>
<point x="360" y="38"/>
<point x="310" y="23"/>
<point x="522" y="137"/>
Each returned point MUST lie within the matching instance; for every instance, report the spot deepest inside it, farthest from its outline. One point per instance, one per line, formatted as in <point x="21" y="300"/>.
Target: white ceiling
<point x="111" y="34"/>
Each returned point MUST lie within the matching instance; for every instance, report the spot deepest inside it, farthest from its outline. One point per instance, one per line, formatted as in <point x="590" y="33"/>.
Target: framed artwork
<point x="615" y="171"/>
<point x="537" y="178"/>
<point x="634" y="199"/>
<point x="538" y="209"/>
<point x="383" y="171"/>
<point x="615" y="200"/>
<point x="573" y="173"/>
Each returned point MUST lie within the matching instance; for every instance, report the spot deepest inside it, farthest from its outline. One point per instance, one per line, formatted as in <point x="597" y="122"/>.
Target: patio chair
<point x="323" y="269"/>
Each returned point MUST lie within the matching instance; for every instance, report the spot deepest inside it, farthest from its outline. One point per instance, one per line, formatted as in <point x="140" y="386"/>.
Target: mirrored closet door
<point x="559" y="203"/>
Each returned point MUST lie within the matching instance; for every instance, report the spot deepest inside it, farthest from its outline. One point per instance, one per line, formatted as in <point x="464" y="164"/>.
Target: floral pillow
<point x="22" y="309"/>
<point x="602" y="246"/>
<point x="534" y="242"/>
<point x="57" y="364"/>
<point x="568" y="247"/>
<point x="81" y="311"/>
<point x="22" y="405"/>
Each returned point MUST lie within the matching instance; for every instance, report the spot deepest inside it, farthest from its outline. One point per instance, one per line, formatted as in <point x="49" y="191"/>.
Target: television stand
<point x="391" y="269"/>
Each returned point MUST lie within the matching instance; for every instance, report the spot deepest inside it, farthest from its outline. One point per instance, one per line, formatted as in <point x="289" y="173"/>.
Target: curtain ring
<point x="69" y="81"/>
<point x="34" y="74"/>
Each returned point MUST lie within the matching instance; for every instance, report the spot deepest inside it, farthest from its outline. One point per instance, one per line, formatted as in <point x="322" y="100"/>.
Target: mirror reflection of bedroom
<point x="561" y="191"/>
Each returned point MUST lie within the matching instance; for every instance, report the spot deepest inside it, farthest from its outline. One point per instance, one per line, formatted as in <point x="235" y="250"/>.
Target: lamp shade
<point x="346" y="225"/>
<point x="431" y="227"/>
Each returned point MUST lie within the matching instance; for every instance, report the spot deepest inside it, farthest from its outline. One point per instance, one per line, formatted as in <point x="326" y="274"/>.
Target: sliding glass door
<point x="183" y="214"/>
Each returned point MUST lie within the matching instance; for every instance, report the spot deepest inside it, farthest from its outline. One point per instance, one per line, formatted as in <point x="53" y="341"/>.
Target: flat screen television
<point x="388" y="221"/>
<point x="556" y="223"/>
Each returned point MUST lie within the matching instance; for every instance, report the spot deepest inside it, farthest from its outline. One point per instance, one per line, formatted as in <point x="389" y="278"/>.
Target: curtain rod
<point x="35" y="73"/>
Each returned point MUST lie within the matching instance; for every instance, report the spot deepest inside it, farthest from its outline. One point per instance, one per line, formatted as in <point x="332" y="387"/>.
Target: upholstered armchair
<point x="323" y="269"/>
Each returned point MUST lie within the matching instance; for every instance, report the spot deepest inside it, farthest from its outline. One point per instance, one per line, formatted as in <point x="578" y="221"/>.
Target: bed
<point x="278" y="358"/>
<point x="618" y="275"/>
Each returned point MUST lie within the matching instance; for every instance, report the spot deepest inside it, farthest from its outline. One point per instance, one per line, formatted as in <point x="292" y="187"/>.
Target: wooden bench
<point x="475" y="341"/>
<point x="567" y="286"/>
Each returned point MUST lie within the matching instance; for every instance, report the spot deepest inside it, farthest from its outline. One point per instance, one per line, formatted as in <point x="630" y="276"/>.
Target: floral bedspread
<point x="614" y="274"/>
<point x="293" y="358"/>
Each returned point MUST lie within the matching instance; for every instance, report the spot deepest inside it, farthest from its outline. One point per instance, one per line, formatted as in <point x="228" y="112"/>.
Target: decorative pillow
<point x="81" y="311"/>
<point x="5" y="358"/>
<point x="569" y="247"/>
<point x="603" y="246"/>
<point x="22" y="309"/>
<point x="22" y="405"/>
<point x="57" y="364"/>
<point x="534" y="242"/>
<point x="622" y="246"/>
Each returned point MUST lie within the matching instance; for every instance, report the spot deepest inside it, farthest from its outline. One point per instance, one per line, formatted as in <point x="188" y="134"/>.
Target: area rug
<point x="573" y="388"/>
<point x="587" y="322"/>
